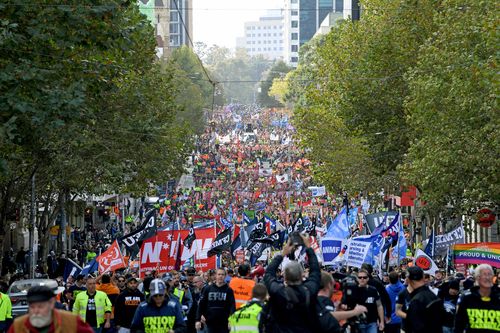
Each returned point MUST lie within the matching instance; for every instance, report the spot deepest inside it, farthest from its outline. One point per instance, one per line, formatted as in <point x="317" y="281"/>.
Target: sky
<point x="220" y="22"/>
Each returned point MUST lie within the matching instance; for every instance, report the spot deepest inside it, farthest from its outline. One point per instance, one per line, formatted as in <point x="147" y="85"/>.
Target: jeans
<point x="368" y="328"/>
<point x="447" y="329"/>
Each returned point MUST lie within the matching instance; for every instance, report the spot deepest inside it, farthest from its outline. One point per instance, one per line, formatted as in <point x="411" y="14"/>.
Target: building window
<point x="174" y="16"/>
<point x="294" y="59"/>
<point x="174" y="40"/>
<point x="258" y="49"/>
<point x="253" y="49"/>
<point x="295" y="36"/>
<point x="295" y="12"/>
<point x="274" y="48"/>
<point x="294" y="1"/>
<point x="174" y="28"/>
<point x="295" y="48"/>
<point x="295" y="24"/>
<point x="258" y="42"/>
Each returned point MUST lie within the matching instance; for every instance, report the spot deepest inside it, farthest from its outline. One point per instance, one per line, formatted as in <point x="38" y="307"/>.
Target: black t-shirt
<point x="91" y="315"/>
<point x="326" y="322"/>
<point x="368" y="297"/>
<point x="404" y="300"/>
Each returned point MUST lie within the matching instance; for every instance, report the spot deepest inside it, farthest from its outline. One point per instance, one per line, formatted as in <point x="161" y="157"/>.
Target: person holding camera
<point x="366" y="295"/>
<point x="292" y="304"/>
<point x="328" y="318"/>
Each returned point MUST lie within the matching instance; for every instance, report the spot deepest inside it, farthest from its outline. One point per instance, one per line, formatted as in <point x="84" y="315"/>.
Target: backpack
<point x="267" y="323"/>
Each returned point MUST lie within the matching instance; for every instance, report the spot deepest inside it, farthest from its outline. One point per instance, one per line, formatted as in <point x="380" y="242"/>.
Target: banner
<point x="157" y="252"/>
<point x="357" y="250"/>
<point x="111" y="259"/>
<point x="146" y="230"/>
<point x="374" y="220"/>
<point x="330" y="247"/>
<point x="221" y="243"/>
<point x="339" y="228"/>
<point x="188" y="241"/>
<point x="425" y="262"/>
<point x="442" y="242"/>
<point x="477" y="253"/>
<point x="317" y="191"/>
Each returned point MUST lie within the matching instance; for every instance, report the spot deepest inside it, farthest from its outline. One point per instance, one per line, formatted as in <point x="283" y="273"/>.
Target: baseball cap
<point x="132" y="279"/>
<point x="157" y="287"/>
<point x="454" y="284"/>
<point x="40" y="294"/>
<point x="415" y="273"/>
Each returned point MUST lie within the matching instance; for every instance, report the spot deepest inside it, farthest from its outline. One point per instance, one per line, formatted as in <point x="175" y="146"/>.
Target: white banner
<point x="356" y="251"/>
<point x="425" y="262"/>
<point x="317" y="191"/>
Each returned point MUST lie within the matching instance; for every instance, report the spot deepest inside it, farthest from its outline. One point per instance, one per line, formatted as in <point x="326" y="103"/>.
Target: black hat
<point x="191" y="271"/>
<point x="131" y="279"/>
<point x="454" y="284"/>
<point x="39" y="294"/>
<point x="415" y="273"/>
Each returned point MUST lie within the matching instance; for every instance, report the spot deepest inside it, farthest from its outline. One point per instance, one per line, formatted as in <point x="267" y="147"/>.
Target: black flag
<point x="133" y="240"/>
<point x="256" y="250"/>
<point x="188" y="241"/>
<point x="259" y="230"/>
<point x="311" y="228"/>
<point x="299" y="224"/>
<point x="222" y="243"/>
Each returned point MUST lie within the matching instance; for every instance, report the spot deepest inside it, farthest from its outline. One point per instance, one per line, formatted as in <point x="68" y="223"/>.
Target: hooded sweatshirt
<point x="216" y="305"/>
<point x="393" y="290"/>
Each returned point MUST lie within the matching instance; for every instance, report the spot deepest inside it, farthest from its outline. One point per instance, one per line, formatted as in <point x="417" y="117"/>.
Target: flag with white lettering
<point x="188" y="241"/>
<point x="222" y="243"/>
<point x="256" y="249"/>
<point x="111" y="259"/>
<point x="133" y="240"/>
<point x="259" y="230"/>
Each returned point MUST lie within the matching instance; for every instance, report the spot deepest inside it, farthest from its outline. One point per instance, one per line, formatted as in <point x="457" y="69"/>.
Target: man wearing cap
<point x="450" y="298"/>
<point x="478" y="309"/>
<point x="425" y="312"/>
<point x="43" y="317"/>
<point x="162" y="313"/>
<point x="93" y="306"/>
<point x="126" y="304"/>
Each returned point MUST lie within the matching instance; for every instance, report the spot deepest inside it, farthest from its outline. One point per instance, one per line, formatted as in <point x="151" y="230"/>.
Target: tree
<point x="452" y="109"/>
<point x="278" y="70"/>
<point x="83" y="105"/>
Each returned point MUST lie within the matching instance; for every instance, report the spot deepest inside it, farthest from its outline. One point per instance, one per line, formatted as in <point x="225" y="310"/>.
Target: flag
<point x="425" y="262"/>
<point x="256" y="250"/>
<point x="71" y="269"/>
<point x="259" y="230"/>
<point x="431" y="243"/>
<point x="177" y="264"/>
<point x="248" y="216"/>
<point x="236" y="244"/>
<point x="391" y="233"/>
<point x="90" y="268"/>
<point x="339" y="228"/>
<point x="188" y="241"/>
<point x="402" y="246"/>
<point x="299" y="223"/>
<point x="111" y="259"/>
<point x="133" y="240"/>
<point x="311" y="228"/>
<point x="221" y="243"/>
<point x="381" y="227"/>
<point x="270" y="221"/>
<point x="226" y="223"/>
<point x="317" y="191"/>
<point x="259" y="206"/>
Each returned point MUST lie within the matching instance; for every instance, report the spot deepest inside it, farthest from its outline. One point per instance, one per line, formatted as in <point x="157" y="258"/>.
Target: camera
<point x="296" y="239"/>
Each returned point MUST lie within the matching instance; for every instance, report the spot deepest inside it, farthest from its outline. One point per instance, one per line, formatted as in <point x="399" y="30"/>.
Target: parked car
<point x="18" y="292"/>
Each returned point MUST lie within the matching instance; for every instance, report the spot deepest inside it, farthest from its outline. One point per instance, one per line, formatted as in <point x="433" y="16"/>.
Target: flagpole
<point x="399" y="231"/>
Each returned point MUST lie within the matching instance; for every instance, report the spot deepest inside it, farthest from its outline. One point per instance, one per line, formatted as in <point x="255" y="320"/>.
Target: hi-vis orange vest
<point x="242" y="289"/>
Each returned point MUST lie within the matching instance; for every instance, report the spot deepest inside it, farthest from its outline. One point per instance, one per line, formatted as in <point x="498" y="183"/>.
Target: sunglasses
<point x="363" y="277"/>
<point x="159" y="295"/>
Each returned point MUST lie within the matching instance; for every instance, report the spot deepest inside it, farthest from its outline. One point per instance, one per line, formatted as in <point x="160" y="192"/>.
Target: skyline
<point x="220" y="22"/>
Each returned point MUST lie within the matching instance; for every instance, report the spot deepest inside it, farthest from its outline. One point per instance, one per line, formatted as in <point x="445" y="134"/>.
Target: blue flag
<point x="431" y="243"/>
<point x="339" y="228"/>
<point x="271" y="221"/>
<point x="226" y="223"/>
<point x="390" y="234"/>
<point x="90" y="268"/>
<point x="400" y="249"/>
<point x="353" y="215"/>
<point x="71" y="269"/>
<point x="381" y="227"/>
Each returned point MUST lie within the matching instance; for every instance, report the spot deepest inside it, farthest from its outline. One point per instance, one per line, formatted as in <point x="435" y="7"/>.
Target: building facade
<point x="302" y="18"/>
<point x="172" y="21"/>
<point x="263" y="37"/>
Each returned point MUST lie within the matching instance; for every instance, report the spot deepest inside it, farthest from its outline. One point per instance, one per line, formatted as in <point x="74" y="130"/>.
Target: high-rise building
<point x="302" y="18"/>
<point x="172" y="20"/>
<point x="263" y="37"/>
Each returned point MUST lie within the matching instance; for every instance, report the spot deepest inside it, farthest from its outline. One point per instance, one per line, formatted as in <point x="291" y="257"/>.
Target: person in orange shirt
<point x="242" y="286"/>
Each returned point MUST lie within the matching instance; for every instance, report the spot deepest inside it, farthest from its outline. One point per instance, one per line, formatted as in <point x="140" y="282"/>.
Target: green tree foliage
<point x="197" y="91"/>
<point x="278" y="70"/>
<point x="83" y="105"/>
<point x="452" y="109"/>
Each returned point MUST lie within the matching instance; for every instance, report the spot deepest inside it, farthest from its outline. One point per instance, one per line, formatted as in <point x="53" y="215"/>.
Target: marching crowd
<point x="289" y="297"/>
